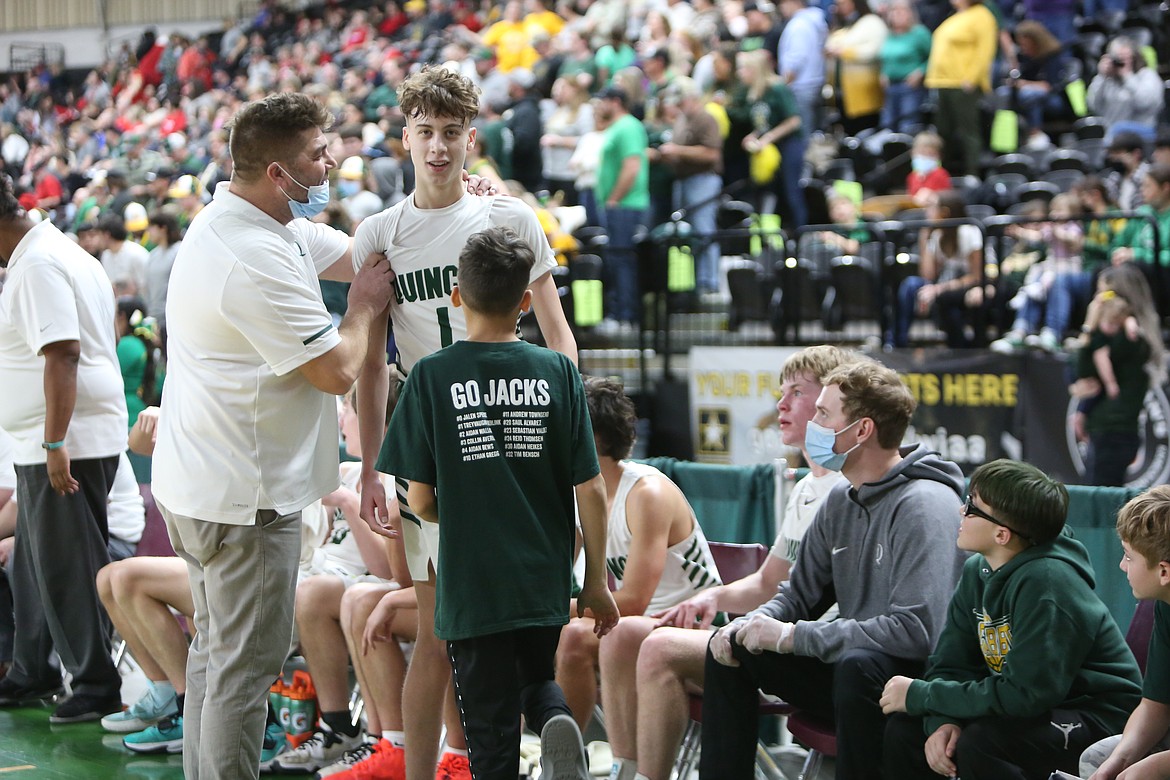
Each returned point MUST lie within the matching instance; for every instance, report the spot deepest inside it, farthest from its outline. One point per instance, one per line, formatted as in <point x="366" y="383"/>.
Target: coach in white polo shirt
<point x="248" y="429"/>
<point x="65" y="409"/>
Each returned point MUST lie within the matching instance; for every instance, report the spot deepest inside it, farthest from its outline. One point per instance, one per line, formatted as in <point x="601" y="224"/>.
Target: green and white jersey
<point x="423" y="247"/>
<point x="689" y="565"/>
<point x="502" y="431"/>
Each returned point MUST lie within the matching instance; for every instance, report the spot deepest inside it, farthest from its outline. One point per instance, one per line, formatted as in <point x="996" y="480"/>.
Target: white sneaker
<point x="157" y="703"/>
<point x="608" y="327"/>
<point x="1011" y="341"/>
<point x="1038" y="142"/>
<point x="351" y="758"/>
<point x="562" y="753"/>
<point x="323" y="748"/>
<point x="1047" y="340"/>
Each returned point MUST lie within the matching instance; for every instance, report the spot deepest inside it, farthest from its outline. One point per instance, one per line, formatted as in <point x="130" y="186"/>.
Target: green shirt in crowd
<point x="1120" y="414"/>
<point x="626" y="137"/>
<point x="904" y="53"/>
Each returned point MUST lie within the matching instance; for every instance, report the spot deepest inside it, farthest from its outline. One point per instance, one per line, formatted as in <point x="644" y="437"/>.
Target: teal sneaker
<point x="157" y="703"/>
<point x="166" y="736"/>
<point x="275" y="743"/>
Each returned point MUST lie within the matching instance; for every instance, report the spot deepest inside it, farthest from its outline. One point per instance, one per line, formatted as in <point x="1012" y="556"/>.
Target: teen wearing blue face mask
<point x="883" y="544"/>
<point x="819" y="443"/>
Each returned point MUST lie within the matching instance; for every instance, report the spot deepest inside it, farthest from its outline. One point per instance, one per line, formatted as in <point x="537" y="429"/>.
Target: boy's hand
<point x="378" y="624"/>
<point x="599" y="601"/>
<point x="940" y="749"/>
<point x="479" y="185"/>
<point x="374" y="509"/>
<point x="698" y="611"/>
<point x="894" y="696"/>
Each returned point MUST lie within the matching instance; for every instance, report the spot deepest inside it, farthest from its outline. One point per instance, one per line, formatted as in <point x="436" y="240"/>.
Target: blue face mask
<point x="318" y="198"/>
<point x="819" y="442"/>
<point x="347" y="188"/>
<point x="923" y="165"/>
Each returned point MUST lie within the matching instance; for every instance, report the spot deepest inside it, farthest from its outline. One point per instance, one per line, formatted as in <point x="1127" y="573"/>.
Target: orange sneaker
<point x="453" y="767"/>
<point x="386" y="762"/>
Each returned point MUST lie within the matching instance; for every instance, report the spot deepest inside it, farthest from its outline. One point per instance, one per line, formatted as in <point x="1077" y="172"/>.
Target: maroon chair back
<point x="1140" y="629"/>
<point x="813" y="734"/>
<point x="155" y="540"/>
<point x="736" y="561"/>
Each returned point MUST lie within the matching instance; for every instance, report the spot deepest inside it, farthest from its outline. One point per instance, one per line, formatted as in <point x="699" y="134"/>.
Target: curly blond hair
<point x="437" y="91"/>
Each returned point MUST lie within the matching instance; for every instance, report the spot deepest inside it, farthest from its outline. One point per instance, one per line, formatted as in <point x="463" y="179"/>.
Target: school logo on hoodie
<point x="995" y="639"/>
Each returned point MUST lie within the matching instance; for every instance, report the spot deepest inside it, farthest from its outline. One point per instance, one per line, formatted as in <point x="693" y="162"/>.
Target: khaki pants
<point x="243" y="582"/>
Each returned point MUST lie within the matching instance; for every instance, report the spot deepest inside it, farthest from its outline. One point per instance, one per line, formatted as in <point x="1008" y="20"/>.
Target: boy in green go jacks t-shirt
<point x="494" y="435"/>
<point x="1030" y="668"/>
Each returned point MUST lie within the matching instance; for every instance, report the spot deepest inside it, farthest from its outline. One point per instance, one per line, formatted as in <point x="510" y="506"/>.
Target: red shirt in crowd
<point x="937" y="180"/>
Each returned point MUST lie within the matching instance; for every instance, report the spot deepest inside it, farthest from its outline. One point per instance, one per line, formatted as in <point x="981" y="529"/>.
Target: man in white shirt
<point x="124" y="260"/>
<point x="249" y="437"/>
<point x="7" y="529"/>
<point x="65" y="409"/>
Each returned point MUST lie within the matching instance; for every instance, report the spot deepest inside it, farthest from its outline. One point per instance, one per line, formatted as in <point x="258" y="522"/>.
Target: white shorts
<point x="421" y="544"/>
<point x="346" y="578"/>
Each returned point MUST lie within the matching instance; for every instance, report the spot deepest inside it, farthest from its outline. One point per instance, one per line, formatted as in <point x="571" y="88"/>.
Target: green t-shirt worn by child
<point x="502" y="431"/>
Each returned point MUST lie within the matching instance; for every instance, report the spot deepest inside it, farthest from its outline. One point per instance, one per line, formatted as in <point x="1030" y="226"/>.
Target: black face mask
<point x="1118" y="166"/>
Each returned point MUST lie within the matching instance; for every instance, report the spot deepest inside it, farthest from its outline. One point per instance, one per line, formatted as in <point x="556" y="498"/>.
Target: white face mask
<point x="318" y="198"/>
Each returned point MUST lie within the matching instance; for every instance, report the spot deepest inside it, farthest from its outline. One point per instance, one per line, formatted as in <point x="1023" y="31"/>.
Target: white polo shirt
<point x="55" y="291"/>
<point x="243" y="429"/>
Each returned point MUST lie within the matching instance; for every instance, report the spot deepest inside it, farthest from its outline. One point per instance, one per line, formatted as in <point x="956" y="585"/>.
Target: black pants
<point x="60" y="546"/>
<point x="845" y="694"/>
<point x="498" y="677"/>
<point x="996" y="748"/>
<point x="960" y="123"/>
<point x="1109" y="456"/>
<point x="7" y="620"/>
<point x="951" y="310"/>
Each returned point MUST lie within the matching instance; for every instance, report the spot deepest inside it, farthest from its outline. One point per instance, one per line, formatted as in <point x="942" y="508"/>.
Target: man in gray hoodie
<point x="883" y="546"/>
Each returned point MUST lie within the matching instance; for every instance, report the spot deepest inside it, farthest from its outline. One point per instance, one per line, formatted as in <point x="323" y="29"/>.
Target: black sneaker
<point x="12" y="694"/>
<point x="82" y="707"/>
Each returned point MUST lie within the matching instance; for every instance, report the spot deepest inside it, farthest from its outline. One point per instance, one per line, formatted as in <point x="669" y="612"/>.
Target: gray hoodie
<point x="886" y="552"/>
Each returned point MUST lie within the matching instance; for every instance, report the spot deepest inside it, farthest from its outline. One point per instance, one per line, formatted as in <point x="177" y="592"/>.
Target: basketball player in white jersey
<point x="655" y="548"/>
<point x="422" y="237"/>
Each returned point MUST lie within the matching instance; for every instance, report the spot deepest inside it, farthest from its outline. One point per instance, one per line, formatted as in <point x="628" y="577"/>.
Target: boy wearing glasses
<point x="1030" y="668"/>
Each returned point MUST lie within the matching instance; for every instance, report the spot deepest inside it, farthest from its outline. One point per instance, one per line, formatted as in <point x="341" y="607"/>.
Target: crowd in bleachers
<point x="1026" y="99"/>
<point x="997" y="169"/>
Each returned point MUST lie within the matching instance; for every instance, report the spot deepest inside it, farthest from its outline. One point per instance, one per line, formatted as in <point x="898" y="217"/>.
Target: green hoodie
<point x="1139" y="234"/>
<point x="1025" y="639"/>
